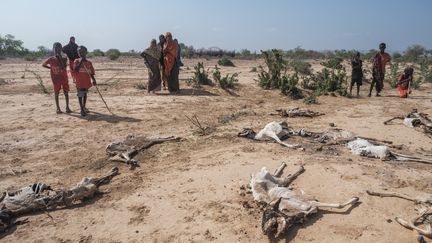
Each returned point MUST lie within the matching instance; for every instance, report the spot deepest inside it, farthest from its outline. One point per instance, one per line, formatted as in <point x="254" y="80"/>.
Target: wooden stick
<point x="394" y="118"/>
<point x="390" y="194"/>
<point x="279" y="170"/>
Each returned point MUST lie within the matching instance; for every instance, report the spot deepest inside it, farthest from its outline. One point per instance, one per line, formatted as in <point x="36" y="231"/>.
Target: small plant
<point x="227" y="82"/>
<point x="225" y="61"/>
<point x="40" y="83"/>
<point x="425" y="72"/>
<point x="288" y="86"/>
<point x="394" y="74"/>
<point x="301" y="67"/>
<point x="141" y="86"/>
<point x="275" y="65"/>
<point x="333" y="63"/>
<point x="113" y="54"/>
<point x="253" y="70"/>
<point x="311" y="99"/>
<point x="200" y="76"/>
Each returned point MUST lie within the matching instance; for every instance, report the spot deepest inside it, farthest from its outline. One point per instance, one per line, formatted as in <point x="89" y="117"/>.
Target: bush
<point x="394" y="74"/>
<point x="288" y="86"/>
<point x="329" y="81"/>
<point x="227" y="82"/>
<point x="97" y="53"/>
<point x="225" y="61"/>
<point x="425" y="72"/>
<point x="113" y="54"/>
<point x="200" y="76"/>
<point x="301" y="67"/>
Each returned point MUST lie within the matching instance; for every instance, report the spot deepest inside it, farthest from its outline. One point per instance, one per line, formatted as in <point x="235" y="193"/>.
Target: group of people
<point x="81" y="70"/>
<point x="163" y="61"/>
<point x="379" y="62"/>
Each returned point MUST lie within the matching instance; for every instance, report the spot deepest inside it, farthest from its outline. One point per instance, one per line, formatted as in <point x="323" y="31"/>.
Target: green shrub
<point x="225" y="61"/>
<point x="113" y="54"/>
<point x="275" y="65"/>
<point x="394" y="74"/>
<point x="288" y="86"/>
<point x="227" y="82"/>
<point x="200" y="76"/>
<point x="301" y="67"/>
<point x="425" y="72"/>
<point x="98" y="53"/>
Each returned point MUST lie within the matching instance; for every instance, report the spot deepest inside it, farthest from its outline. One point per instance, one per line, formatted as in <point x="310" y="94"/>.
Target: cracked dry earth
<point x="188" y="191"/>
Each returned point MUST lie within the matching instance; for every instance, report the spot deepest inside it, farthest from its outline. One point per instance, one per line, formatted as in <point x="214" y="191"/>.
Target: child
<point x="404" y="84"/>
<point x="357" y="73"/>
<point x="83" y="72"/>
<point x="57" y="66"/>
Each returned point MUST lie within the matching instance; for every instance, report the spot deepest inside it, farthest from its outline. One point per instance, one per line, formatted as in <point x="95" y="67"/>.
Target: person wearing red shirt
<point x="57" y="66"/>
<point x="83" y="74"/>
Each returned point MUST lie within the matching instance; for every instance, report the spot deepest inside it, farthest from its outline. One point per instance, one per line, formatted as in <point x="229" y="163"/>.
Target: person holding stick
<point x="83" y="73"/>
<point x="404" y="82"/>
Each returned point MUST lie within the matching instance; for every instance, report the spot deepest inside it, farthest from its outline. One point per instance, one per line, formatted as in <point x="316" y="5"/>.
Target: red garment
<point x="82" y="76"/>
<point x="403" y="87"/>
<point x="71" y="66"/>
<point x="170" y="57"/>
<point x="58" y="73"/>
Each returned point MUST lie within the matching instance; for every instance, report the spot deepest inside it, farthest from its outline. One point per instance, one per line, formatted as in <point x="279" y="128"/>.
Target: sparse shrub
<point x="97" y="53"/>
<point x="113" y="54"/>
<point x="200" y="76"/>
<point x="394" y="74"/>
<point x="288" y="86"/>
<point x="30" y="57"/>
<point x="300" y="67"/>
<point x="227" y="82"/>
<point x="333" y="63"/>
<point x="225" y="61"/>
<point x="253" y="70"/>
<point x="141" y="86"/>
<point x="40" y="83"/>
<point x="425" y="72"/>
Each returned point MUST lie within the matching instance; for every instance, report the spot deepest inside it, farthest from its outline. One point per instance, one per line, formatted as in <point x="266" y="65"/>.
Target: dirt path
<point x="188" y="191"/>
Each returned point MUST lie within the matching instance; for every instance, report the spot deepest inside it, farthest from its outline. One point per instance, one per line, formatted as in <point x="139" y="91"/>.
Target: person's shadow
<point x="96" y="116"/>
<point x="190" y="92"/>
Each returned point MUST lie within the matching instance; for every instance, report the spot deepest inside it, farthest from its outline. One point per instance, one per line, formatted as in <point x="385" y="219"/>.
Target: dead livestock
<point x="40" y="196"/>
<point x="284" y="207"/>
<point x="297" y="112"/>
<point x="273" y="130"/>
<point x="417" y="120"/>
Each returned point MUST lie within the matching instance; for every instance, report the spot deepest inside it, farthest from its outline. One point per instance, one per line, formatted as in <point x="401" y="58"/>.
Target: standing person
<point x="179" y="53"/>
<point x="404" y="84"/>
<point x="71" y="50"/>
<point x="160" y="46"/>
<point x="83" y="72"/>
<point x="171" y="68"/>
<point x="152" y="56"/>
<point x="57" y="66"/>
<point x="379" y="63"/>
<point x="357" y="73"/>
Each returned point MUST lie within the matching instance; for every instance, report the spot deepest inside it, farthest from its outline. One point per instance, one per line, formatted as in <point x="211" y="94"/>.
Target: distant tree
<point x="414" y="53"/>
<point x="113" y="54"/>
<point x="11" y="47"/>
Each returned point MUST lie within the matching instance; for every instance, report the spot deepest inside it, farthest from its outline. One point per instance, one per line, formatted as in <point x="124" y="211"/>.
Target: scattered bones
<point x="297" y="112"/>
<point x="40" y="196"/>
<point x="126" y="150"/>
<point x="416" y="119"/>
<point x="284" y="207"/>
<point x="424" y="210"/>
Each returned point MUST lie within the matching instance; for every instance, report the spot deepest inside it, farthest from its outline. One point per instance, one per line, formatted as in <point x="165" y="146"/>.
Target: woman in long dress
<point x="171" y="68"/>
<point x="152" y="57"/>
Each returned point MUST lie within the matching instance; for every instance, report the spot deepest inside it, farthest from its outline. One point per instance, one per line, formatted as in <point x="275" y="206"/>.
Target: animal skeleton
<point x="416" y="119"/>
<point x="296" y="112"/>
<point x="289" y="208"/>
<point x="40" y="196"/>
<point x="273" y="130"/>
<point x="126" y="150"/>
<point x="424" y="212"/>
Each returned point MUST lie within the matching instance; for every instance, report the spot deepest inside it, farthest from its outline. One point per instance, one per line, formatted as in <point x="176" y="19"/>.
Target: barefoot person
<point x="71" y="50"/>
<point x="171" y="68"/>
<point x="404" y="84"/>
<point x="83" y="72"/>
<point x="57" y="66"/>
<point x="379" y="63"/>
<point x="357" y="73"/>
<point x="152" y="57"/>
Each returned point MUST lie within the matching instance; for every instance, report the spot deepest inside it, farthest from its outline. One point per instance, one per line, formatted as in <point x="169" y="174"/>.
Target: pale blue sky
<point x="228" y="24"/>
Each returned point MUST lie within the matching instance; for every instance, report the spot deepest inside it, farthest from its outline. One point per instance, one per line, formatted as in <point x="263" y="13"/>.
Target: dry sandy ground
<point x="188" y="191"/>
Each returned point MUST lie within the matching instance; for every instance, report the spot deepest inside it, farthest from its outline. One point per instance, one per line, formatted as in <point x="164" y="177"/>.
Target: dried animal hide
<point x="297" y="112"/>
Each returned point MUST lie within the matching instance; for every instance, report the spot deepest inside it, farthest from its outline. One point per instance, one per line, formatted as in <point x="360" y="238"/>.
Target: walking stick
<point x="97" y="89"/>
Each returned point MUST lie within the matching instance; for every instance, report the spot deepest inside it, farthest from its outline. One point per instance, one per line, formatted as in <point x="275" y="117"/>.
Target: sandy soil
<point x="188" y="191"/>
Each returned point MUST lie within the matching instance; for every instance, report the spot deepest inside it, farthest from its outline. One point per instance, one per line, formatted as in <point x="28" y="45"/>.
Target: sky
<point x="227" y="24"/>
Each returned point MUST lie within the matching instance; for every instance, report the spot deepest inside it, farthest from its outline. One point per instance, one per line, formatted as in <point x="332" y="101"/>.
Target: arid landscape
<point x="189" y="190"/>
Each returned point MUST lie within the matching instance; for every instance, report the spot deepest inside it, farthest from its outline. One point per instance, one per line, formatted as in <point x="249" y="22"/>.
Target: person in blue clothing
<point x="179" y="54"/>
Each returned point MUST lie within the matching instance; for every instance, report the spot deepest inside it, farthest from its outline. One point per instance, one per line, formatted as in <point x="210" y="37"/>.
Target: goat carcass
<point x="272" y="130"/>
<point x="289" y="208"/>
